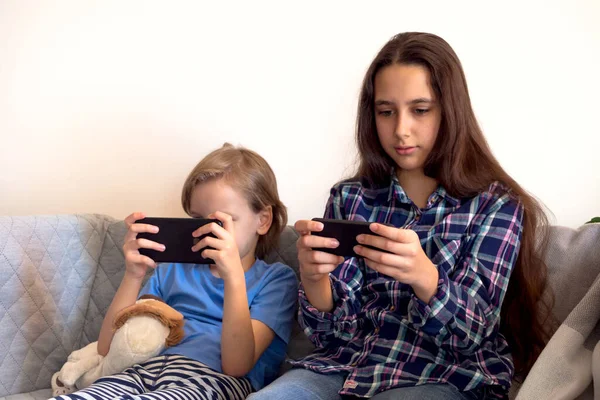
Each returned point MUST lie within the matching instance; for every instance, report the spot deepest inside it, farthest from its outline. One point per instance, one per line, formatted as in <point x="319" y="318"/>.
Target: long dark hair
<point x="464" y="165"/>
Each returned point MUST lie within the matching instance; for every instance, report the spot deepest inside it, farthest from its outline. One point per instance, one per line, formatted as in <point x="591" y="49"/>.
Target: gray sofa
<point x="59" y="273"/>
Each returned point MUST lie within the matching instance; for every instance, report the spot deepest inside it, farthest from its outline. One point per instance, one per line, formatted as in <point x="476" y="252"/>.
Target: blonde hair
<point x="250" y="174"/>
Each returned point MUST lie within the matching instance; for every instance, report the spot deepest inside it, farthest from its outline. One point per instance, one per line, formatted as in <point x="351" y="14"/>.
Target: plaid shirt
<point x="381" y="334"/>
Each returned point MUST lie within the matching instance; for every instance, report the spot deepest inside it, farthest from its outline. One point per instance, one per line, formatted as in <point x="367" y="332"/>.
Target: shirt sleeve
<point x="466" y="308"/>
<point x="346" y="282"/>
<point x="275" y="303"/>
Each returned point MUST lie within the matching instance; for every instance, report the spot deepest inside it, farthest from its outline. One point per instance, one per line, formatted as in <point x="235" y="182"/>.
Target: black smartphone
<point x="345" y="232"/>
<point x="176" y="235"/>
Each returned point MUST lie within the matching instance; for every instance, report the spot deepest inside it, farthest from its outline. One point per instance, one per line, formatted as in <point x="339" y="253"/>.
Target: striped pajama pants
<point x="168" y="377"/>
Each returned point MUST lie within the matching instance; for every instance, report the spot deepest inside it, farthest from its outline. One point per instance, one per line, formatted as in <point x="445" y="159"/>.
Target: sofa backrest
<point x="58" y="275"/>
<point x="48" y="265"/>
<point x="573" y="260"/>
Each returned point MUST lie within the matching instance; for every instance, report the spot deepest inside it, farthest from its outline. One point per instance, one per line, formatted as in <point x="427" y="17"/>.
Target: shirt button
<point x="376" y="330"/>
<point x="392" y="308"/>
<point x="417" y="217"/>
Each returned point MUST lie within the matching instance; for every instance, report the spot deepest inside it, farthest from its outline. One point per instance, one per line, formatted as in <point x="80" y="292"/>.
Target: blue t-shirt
<point x="195" y="292"/>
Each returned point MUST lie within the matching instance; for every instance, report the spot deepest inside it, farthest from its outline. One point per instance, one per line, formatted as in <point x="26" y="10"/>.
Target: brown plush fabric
<point x="158" y="309"/>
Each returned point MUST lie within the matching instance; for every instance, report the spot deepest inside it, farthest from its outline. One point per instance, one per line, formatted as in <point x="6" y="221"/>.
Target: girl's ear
<point x="265" y="219"/>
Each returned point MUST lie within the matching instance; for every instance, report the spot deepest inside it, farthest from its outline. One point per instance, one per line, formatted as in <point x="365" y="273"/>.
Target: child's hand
<point x="224" y="250"/>
<point x="315" y="265"/>
<point x="408" y="263"/>
<point x="137" y="264"/>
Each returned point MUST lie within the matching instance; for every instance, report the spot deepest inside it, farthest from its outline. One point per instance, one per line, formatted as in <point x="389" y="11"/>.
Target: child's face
<point x="216" y="195"/>
<point x="407" y="114"/>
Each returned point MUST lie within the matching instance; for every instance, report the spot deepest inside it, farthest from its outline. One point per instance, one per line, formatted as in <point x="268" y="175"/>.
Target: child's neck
<point x="417" y="186"/>
<point x="248" y="261"/>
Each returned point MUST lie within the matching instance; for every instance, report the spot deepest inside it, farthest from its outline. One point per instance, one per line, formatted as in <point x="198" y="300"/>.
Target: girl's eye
<point x="421" y="111"/>
<point x="385" y="113"/>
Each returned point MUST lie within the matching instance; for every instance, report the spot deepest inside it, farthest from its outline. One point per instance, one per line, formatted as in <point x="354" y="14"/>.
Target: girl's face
<point x="217" y="195"/>
<point x="407" y="114"/>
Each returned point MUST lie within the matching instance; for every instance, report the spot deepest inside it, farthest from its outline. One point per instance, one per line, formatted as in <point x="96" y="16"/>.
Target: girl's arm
<point x="329" y="294"/>
<point x="461" y="308"/>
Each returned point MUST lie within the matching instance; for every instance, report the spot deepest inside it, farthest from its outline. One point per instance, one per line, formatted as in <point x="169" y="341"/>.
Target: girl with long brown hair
<point x="449" y="305"/>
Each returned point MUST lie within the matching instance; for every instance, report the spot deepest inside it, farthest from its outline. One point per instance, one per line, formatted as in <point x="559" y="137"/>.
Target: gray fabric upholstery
<point x="43" y="394"/>
<point x="47" y="269"/>
<point x="58" y="275"/>
<point x="564" y="369"/>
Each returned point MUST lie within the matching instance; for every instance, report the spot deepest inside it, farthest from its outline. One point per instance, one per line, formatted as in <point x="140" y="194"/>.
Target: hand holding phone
<point x="223" y="248"/>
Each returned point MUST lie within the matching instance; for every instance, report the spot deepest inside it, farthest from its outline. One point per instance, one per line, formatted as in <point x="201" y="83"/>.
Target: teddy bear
<point x="142" y="331"/>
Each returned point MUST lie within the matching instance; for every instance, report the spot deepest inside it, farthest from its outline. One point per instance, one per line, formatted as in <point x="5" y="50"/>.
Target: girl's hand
<point x="225" y="254"/>
<point x="137" y="264"/>
<point x="315" y="265"/>
<point x="407" y="262"/>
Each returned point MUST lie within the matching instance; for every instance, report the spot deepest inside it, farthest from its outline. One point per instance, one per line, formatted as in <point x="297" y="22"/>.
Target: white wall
<point x="105" y="106"/>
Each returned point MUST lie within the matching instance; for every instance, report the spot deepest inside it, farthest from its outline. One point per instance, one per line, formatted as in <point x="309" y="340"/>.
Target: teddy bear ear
<point x="176" y="333"/>
<point x="150" y="297"/>
<point x="153" y="308"/>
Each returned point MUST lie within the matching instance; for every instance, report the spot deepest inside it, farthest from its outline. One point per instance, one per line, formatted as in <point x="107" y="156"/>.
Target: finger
<point x="395" y="234"/>
<point x="209" y="241"/>
<point x="144" y="244"/>
<point x="226" y="219"/>
<point x="380" y="257"/>
<point x="209" y="228"/>
<point x="139" y="228"/>
<point x="141" y="259"/>
<point x="305" y="226"/>
<point x="390" y="271"/>
<point x="319" y="257"/>
<point x="209" y="253"/>
<point x="379" y="242"/>
<point x="316" y="269"/>
<point x="131" y="218"/>
<point x="402" y="249"/>
<point x="313" y="241"/>
<point x="203" y="230"/>
<point x="134" y="229"/>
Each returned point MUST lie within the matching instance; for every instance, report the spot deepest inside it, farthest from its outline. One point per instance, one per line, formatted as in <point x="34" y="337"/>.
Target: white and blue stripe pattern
<point x="169" y="377"/>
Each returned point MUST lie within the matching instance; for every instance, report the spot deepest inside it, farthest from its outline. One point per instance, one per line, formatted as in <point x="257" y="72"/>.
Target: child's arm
<point x="126" y="295"/>
<point x="135" y="270"/>
<point x="242" y="340"/>
<point x="271" y="315"/>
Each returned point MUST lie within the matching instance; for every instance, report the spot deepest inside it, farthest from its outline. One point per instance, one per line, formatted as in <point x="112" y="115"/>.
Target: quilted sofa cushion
<point x="48" y="265"/>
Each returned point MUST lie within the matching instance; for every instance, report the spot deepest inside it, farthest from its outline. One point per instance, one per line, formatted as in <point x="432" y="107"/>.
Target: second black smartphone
<point x="345" y="232"/>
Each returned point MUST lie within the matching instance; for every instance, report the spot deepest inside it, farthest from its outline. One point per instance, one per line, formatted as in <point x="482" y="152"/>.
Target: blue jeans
<point x="303" y="384"/>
